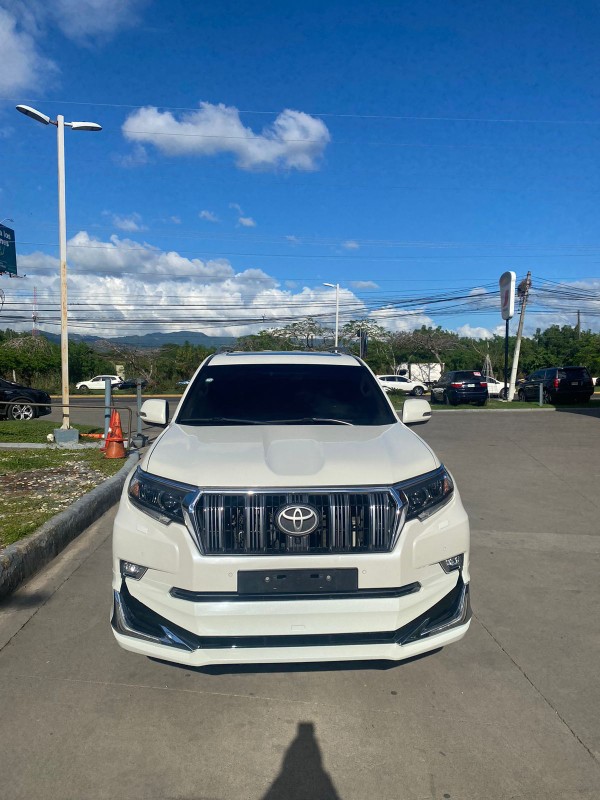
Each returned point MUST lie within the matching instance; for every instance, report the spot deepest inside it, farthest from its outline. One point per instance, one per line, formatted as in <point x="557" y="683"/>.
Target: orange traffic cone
<point x="111" y="427"/>
<point x="114" y="440"/>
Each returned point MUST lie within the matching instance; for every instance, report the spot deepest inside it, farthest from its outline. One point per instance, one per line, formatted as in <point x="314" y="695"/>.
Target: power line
<point x="334" y="115"/>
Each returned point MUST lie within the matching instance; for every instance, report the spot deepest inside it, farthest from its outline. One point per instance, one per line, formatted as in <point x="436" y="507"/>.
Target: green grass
<point x="34" y="430"/>
<point x="37" y="484"/>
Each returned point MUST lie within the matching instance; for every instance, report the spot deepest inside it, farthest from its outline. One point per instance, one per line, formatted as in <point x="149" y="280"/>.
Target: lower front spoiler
<point x="139" y="629"/>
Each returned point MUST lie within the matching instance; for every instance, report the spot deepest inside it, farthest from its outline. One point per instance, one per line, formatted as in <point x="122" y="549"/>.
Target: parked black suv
<point x="16" y="400"/>
<point x="568" y="384"/>
<point x="460" y="386"/>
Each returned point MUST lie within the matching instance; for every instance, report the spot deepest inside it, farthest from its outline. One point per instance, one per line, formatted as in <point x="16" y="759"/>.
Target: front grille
<point x="349" y="522"/>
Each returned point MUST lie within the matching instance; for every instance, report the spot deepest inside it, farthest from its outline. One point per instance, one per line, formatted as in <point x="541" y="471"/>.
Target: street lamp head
<point x="330" y="284"/>
<point x="34" y="114"/>
<point x="85" y="126"/>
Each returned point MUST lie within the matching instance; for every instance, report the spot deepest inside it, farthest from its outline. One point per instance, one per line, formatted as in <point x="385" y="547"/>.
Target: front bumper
<point x="138" y="628"/>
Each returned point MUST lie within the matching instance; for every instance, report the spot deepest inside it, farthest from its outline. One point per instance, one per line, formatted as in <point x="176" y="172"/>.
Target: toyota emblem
<point x="297" y="520"/>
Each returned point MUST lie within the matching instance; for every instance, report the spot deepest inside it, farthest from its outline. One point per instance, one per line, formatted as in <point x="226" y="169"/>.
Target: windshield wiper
<point x="236" y="421"/>
<point x="308" y="421"/>
<point x="217" y="421"/>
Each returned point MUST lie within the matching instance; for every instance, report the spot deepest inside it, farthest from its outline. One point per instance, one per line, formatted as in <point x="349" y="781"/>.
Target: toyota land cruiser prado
<point x="287" y="514"/>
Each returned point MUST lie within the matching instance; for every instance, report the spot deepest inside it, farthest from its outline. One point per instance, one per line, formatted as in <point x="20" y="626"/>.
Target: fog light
<point x="452" y="563"/>
<point x="131" y="570"/>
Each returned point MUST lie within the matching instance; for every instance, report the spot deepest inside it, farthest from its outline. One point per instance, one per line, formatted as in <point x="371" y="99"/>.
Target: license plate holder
<point x="297" y="581"/>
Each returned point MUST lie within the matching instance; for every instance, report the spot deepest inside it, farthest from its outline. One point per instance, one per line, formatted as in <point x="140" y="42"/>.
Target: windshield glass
<point x="285" y="394"/>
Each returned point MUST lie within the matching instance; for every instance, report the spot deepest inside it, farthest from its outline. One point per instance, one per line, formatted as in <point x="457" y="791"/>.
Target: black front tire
<point x="21" y="410"/>
<point x="417" y="391"/>
<point x="522" y="398"/>
<point x="84" y="389"/>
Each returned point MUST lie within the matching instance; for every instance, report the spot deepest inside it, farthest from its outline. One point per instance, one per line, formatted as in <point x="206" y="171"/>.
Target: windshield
<point x="285" y="394"/>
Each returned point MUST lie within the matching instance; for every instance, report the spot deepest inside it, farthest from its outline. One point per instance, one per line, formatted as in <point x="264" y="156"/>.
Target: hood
<point x="289" y="455"/>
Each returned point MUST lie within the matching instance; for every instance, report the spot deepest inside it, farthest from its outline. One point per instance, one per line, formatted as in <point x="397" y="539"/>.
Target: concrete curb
<point x="21" y="560"/>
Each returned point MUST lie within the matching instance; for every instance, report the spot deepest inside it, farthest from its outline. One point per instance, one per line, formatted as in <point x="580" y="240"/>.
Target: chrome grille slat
<point x="350" y="521"/>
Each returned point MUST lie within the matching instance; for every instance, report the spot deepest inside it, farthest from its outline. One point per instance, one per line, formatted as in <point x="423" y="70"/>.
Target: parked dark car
<point x="16" y="401"/>
<point x="131" y="383"/>
<point x="559" y="384"/>
<point x="460" y="386"/>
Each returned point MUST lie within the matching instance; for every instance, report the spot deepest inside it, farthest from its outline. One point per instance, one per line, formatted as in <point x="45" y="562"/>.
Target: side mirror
<point x="155" y="412"/>
<point x="416" y="411"/>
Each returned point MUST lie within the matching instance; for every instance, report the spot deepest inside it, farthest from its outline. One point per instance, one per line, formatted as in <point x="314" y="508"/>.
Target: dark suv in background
<point x="460" y="386"/>
<point x="16" y="401"/>
<point x="559" y="384"/>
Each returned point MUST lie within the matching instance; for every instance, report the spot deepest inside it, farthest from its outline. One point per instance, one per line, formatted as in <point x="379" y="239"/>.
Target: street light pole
<point x="62" y="248"/>
<point x="336" y="286"/>
<point x="62" y="241"/>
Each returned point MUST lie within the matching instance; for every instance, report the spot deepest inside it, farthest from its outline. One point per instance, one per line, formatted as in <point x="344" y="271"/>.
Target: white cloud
<point x="25" y="27"/>
<point x="136" y="157"/>
<point x="208" y="216"/>
<point x="399" y="320"/>
<point x="243" y="220"/>
<point x="175" y="220"/>
<point x="474" y="332"/>
<point x="350" y="244"/>
<point x="295" y="140"/>
<point x="169" y="290"/>
<point x="293" y="239"/>
<point x="23" y="66"/>
<point x="85" y="20"/>
<point x="364" y="285"/>
<point x="131" y="223"/>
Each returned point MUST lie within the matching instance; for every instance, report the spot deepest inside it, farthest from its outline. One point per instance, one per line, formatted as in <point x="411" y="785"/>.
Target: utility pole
<point x="579" y="324"/>
<point x="523" y="292"/>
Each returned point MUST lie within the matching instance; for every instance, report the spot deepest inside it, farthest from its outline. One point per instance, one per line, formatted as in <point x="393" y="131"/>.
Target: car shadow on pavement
<point x="318" y="666"/>
<point x="302" y="774"/>
<point x="24" y="599"/>
<point x="584" y="411"/>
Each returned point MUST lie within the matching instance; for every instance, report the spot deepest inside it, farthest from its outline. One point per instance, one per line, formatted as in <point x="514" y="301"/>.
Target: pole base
<point x="68" y="436"/>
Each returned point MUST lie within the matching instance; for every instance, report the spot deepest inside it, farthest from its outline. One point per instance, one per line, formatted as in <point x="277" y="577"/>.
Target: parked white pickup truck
<point x="286" y="514"/>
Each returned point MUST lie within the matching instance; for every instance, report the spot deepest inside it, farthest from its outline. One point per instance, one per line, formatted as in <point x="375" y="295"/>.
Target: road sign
<point x="507" y="294"/>
<point x="8" y="252"/>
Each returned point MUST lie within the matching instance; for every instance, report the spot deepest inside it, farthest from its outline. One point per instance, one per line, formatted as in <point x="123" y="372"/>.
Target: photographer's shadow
<point x="302" y="776"/>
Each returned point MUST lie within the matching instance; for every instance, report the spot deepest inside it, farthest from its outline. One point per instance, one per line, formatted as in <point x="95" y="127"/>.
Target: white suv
<point x="299" y="520"/>
<point x="97" y="383"/>
<point x="399" y="383"/>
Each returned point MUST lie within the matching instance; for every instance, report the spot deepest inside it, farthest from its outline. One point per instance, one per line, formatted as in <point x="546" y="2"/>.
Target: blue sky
<point x="252" y="151"/>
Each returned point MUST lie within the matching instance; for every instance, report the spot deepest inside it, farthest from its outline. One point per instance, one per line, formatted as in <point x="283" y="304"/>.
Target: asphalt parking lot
<point x="509" y="712"/>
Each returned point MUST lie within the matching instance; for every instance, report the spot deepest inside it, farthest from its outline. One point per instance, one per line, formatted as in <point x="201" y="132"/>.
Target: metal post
<point x="139" y="405"/>
<point x="524" y="292"/>
<point x="506" y="360"/>
<point x="107" y="403"/>
<point x="62" y="241"/>
<point x="541" y="398"/>
<point x="337" y="313"/>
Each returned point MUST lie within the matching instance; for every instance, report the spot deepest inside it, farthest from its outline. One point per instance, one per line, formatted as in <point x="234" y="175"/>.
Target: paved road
<point x="510" y="712"/>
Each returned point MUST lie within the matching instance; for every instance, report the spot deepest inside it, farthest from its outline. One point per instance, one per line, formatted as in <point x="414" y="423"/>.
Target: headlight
<point x="425" y="495"/>
<point x="159" y="498"/>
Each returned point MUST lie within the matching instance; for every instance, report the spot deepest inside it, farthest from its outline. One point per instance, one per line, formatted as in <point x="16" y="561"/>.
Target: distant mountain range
<point x="151" y="339"/>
